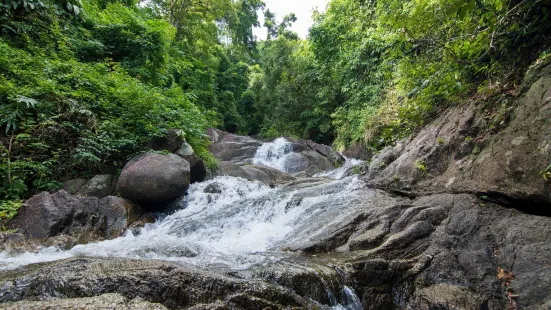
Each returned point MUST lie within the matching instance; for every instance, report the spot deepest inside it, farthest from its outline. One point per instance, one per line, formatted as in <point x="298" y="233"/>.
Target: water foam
<point x="246" y="224"/>
<point x="273" y="154"/>
<point x="340" y="172"/>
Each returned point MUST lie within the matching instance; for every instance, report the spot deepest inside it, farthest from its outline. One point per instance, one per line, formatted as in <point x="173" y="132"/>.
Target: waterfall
<point x="245" y="224"/>
<point x="341" y="171"/>
<point x="238" y="225"/>
<point x="273" y="154"/>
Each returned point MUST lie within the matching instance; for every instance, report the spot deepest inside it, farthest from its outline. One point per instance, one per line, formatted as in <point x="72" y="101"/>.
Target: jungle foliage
<point x="85" y="84"/>
<point x="375" y="71"/>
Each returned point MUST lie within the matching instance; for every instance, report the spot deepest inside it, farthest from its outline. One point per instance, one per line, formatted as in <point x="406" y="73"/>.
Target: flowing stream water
<point x="231" y="223"/>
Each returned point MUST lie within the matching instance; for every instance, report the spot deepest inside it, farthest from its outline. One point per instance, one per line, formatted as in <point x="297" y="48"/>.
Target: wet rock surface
<point x="229" y="147"/>
<point x="171" y="285"/>
<point x="455" y="217"/>
<point x="263" y="174"/>
<point x="444" y="250"/>
<point x="105" y="301"/>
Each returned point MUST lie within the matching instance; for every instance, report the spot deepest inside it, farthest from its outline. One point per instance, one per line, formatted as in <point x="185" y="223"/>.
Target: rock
<point x="175" y="143"/>
<point x="306" y="155"/>
<point x="197" y="166"/>
<point x="299" y="147"/>
<point x="439" y="250"/>
<point x="99" y="186"/>
<point x="303" y="146"/>
<point x="444" y="295"/>
<point x="142" y="221"/>
<point x="255" y="173"/>
<point x="213" y="188"/>
<point x="234" y="148"/>
<point x="460" y="152"/>
<point x="385" y="157"/>
<point x="68" y="220"/>
<point x="309" y="162"/>
<point x="72" y="186"/>
<point x="169" y="284"/>
<point x="358" y="150"/>
<point x="334" y="157"/>
<point x="295" y="163"/>
<point x="105" y="301"/>
<point x="154" y="178"/>
<point x="119" y="214"/>
<point x="171" y="141"/>
<point x="214" y="134"/>
<point x="44" y="215"/>
<point x="185" y="150"/>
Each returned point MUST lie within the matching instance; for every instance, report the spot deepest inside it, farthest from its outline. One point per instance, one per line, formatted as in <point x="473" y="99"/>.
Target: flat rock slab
<point x="102" y="302"/>
<point x="166" y="283"/>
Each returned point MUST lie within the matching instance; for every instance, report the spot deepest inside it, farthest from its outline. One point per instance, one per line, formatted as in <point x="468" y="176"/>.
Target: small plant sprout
<point x="546" y="173"/>
<point x="440" y="140"/>
<point x="420" y="164"/>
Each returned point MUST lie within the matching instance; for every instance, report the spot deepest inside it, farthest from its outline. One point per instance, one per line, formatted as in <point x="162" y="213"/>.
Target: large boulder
<point x="229" y="147"/>
<point x="301" y="146"/>
<point x="174" y="142"/>
<point x="154" y="178"/>
<point x="263" y="174"/>
<point x="119" y="214"/>
<point x="45" y="215"/>
<point x="334" y="157"/>
<point x="99" y="186"/>
<point x="81" y="219"/>
<point x="308" y="162"/>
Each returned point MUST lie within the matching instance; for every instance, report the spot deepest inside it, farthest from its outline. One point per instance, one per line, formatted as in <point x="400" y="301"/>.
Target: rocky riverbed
<point x="454" y="217"/>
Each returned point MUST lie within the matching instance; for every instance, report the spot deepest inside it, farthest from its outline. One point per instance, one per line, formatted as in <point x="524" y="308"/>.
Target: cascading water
<point x="240" y="224"/>
<point x="231" y="223"/>
<point x="341" y="171"/>
<point x="273" y="154"/>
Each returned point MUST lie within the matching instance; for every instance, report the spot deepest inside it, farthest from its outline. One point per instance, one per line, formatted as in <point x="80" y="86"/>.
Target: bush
<point x="65" y="112"/>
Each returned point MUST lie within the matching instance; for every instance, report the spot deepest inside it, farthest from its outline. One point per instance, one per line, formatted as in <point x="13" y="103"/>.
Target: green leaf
<point x="30" y="102"/>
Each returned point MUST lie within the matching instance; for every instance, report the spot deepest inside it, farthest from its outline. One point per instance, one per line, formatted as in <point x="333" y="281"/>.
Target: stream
<point x="230" y="223"/>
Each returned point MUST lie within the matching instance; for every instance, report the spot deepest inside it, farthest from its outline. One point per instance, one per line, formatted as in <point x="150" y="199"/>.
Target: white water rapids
<point x="273" y="154"/>
<point x="237" y="225"/>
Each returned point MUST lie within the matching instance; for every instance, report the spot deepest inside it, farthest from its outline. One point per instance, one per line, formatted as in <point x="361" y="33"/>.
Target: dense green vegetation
<point x="374" y="71"/>
<point x="85" y="84"/>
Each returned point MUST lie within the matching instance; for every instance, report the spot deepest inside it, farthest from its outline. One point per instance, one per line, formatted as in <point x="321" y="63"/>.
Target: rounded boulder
<point x="154" y="178"/>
